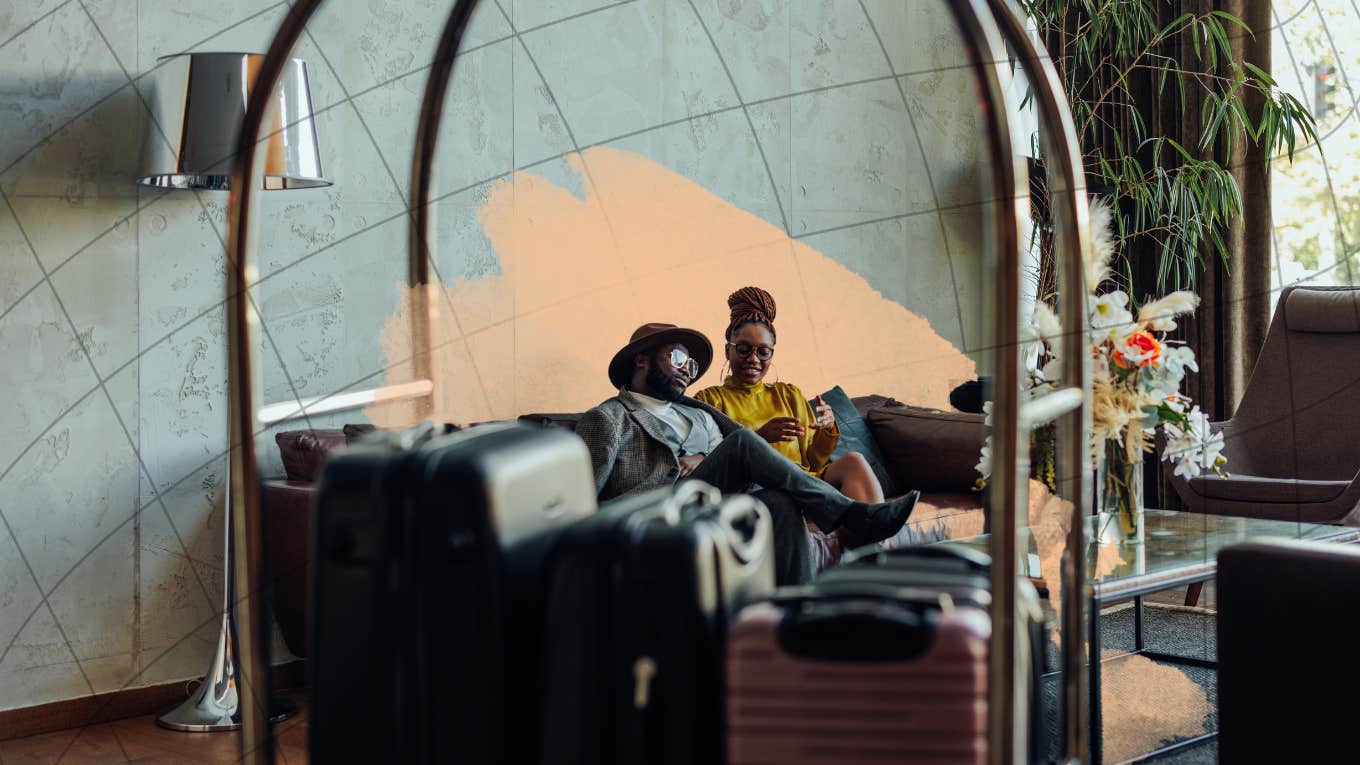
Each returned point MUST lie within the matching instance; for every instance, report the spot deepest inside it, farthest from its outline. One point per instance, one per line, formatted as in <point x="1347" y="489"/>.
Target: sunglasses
<point x="744" y="350"/>
<point x="682" y="361"/>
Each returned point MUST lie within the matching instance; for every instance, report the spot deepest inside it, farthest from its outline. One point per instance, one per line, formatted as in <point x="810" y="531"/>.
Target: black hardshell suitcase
<point x="427" y="556"/>
<point x="637" y="610"/>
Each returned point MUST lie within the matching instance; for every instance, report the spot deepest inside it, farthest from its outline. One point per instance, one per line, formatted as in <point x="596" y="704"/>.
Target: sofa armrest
<point x="287" y="507"/>
<point x="304" y="451"/>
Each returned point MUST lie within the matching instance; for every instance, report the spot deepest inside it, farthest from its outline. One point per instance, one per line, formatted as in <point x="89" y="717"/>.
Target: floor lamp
<point x="197" y="104"/>
<point x="250" y="163"/>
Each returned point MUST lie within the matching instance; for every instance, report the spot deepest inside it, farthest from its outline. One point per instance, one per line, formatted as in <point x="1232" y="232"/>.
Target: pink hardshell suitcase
<point x="887" y="667"/>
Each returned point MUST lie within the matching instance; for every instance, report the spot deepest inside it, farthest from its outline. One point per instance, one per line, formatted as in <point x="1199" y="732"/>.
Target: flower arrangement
<point x="1136" y="379"/>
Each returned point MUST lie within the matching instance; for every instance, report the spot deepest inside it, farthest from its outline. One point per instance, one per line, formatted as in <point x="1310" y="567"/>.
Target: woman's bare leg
<point x="852" y="476"/>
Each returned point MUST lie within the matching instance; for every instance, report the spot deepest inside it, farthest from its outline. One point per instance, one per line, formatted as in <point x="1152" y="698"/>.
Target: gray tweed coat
<point x="628" y="448"/>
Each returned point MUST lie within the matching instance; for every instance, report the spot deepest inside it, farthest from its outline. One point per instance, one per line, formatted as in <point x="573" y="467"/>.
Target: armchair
<point x="1293" y="449"/>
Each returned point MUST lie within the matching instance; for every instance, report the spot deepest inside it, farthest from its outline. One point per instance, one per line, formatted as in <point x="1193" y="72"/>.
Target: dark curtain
<point x="1229" y="329"/>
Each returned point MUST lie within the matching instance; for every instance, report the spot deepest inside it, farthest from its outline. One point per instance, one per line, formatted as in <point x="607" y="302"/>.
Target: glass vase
<point x="1119" y="485"/>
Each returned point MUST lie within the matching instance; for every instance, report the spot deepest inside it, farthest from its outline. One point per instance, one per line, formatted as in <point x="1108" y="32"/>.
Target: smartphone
<point x="816" y="403"/>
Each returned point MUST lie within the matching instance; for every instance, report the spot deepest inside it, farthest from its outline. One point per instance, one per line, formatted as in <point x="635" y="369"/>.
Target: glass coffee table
<point x="1177" y="548"/>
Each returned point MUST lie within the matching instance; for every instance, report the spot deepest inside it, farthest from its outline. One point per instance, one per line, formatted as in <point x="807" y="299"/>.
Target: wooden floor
<point x="140" y="740"/>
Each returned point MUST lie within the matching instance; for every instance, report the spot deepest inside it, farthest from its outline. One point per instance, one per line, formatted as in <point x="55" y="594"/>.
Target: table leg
<point x="1192" y="593"/>
<point x="1138" y="623"/>
<point x="1093" y="649"/>
<point x="1140" y="648"/>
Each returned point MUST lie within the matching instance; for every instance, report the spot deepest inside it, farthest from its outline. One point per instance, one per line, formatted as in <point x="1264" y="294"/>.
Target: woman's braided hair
<point x="750" y="305"/>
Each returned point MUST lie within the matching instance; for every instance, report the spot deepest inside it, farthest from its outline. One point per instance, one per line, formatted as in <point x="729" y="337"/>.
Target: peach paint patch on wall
<point x="648" y="244"/>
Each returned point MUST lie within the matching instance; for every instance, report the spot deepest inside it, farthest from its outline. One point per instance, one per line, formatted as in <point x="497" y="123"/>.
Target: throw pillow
<point x="928" y="449"/>
<point x="855" y="437"/>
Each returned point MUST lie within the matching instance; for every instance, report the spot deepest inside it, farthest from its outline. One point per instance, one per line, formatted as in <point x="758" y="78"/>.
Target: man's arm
<point x="601" y="434"/>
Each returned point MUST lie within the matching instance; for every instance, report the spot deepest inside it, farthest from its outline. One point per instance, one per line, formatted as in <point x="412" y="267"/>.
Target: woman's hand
<point x="781" y="429"/>
<point x="826" y="419"/>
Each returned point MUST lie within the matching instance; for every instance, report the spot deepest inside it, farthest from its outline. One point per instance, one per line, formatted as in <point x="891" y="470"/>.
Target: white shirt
<point x="681" y="420"/>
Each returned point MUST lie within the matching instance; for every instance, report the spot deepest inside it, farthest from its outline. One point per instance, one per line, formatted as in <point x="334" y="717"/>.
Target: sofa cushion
<point x="929" y="449"/>
<point x="1251" y="488"/>
<point x="304" y="451"/>
<point x="568" y="420"/>
<point x="1324" y="311"/>
<point x="864" y="403"/>
<point x="357" y="430"/>
<point x="855" y="437"/>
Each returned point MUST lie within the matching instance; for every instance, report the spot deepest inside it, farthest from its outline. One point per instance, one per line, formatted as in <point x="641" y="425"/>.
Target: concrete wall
<point x="838" y="145"/>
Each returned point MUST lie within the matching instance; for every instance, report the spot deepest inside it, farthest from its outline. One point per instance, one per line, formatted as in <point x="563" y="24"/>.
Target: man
<point x="651" y="435"/>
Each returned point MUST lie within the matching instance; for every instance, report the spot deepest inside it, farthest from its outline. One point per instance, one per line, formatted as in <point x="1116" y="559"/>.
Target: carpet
<point x="1148" y="704"/>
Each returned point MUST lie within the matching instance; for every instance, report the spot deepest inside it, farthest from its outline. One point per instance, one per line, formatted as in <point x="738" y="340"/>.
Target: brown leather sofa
<point x="926" y="449"/>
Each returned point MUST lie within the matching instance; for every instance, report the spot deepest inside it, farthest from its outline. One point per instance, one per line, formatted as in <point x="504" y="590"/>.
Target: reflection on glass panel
<point x="799" y="187"/>
<point x="837" y="170"/>
<point x="1315" y="213"/>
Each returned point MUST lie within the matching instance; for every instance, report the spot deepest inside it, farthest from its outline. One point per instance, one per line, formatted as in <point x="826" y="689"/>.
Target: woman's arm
<point x="818" y="441"/>
<point x="822" y="443"/>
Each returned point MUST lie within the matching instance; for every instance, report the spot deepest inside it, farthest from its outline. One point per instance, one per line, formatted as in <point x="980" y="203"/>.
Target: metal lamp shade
<point x="199" y="100"/>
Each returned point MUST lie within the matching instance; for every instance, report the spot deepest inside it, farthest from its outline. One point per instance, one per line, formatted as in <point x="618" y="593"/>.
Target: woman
<point x="777" y="411"/>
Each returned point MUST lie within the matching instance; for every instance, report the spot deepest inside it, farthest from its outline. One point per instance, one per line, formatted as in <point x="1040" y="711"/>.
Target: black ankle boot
<point x="875" y="523"/>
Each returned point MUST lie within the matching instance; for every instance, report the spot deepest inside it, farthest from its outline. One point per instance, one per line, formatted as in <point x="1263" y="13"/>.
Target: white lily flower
<point x="1031" y="345"/>
<point x="1187" y="467"/>
<point x="1110" y="317"/>
<point x="1195" y="448"/>
<point x="984" y="464"/>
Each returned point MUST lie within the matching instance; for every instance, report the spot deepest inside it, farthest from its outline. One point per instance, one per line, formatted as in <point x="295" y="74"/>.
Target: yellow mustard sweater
<point x="755" y="405"/>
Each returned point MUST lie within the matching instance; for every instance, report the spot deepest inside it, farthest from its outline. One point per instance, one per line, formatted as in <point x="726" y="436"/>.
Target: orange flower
<point x="1138" y="349"/>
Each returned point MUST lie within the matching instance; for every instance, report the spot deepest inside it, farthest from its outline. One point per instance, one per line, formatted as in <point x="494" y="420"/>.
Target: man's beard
<point x="664" y="386"/>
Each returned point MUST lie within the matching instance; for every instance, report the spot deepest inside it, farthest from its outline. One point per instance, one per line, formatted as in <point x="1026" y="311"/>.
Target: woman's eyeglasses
<point x="682" y="361"/>
<point x="744" y="350"/>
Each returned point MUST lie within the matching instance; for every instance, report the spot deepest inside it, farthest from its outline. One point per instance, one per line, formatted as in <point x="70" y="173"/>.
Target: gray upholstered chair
<point x="1293" y="446"/>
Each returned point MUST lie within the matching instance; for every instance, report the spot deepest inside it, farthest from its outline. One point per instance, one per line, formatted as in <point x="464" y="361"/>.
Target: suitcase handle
<point x="840" y="591"/>
<point x="422" y="433"/>
<point x="864" y="631"/>
<point x="746" y="522"/>
<point x="942" y="551"/>
<point x="689" y="492"/>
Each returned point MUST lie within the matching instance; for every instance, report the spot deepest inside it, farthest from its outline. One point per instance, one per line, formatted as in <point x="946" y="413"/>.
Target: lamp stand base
<point x="214" y="706"/>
